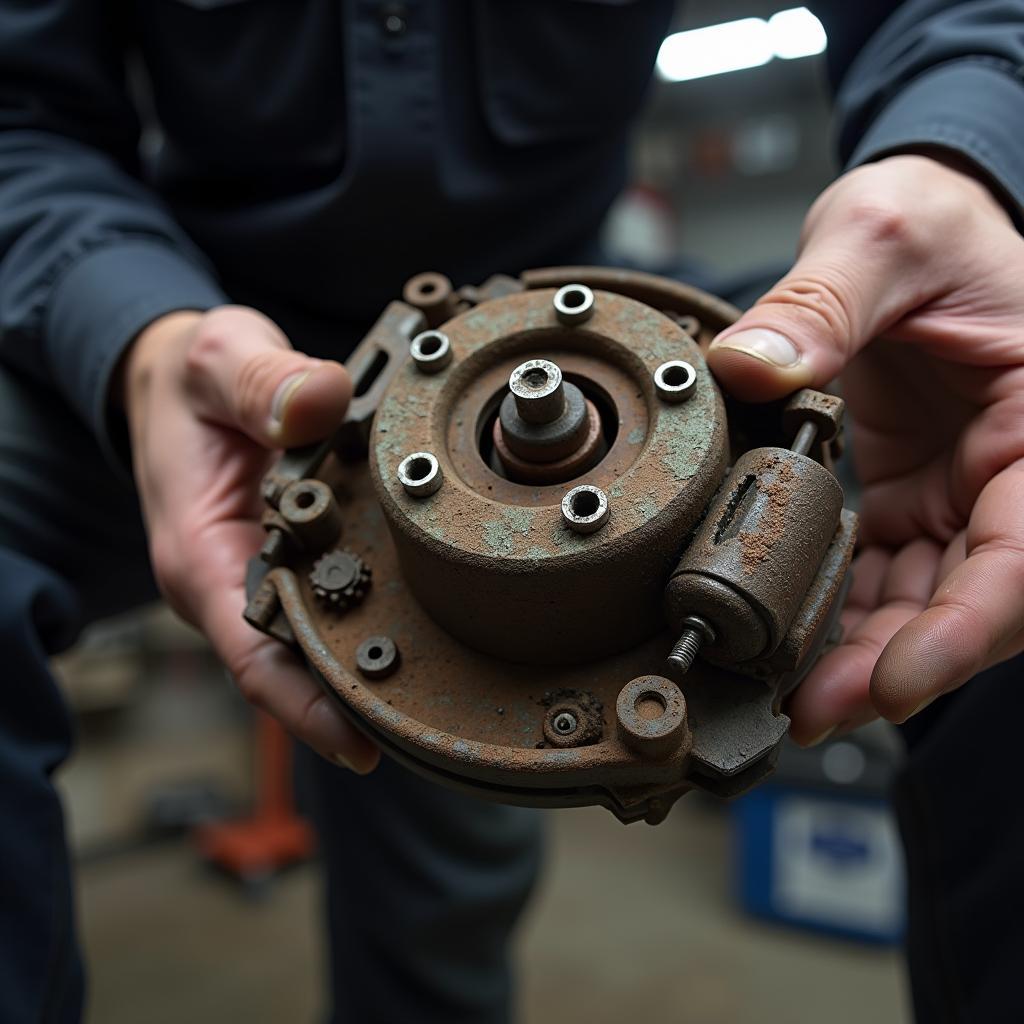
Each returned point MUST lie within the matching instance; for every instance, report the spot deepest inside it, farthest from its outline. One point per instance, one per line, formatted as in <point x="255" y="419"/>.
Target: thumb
<point x="243" y="373"/>
<point x="852" y="280"/>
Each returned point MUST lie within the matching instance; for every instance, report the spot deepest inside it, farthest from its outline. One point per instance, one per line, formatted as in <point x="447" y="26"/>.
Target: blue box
<point x="822" y="859"/>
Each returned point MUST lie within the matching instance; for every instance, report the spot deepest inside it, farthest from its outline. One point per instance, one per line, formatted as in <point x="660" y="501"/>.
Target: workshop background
<point x="783" y="908"/>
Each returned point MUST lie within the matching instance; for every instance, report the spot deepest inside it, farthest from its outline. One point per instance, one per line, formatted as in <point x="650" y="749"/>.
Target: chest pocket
<point x="554" y="70"/>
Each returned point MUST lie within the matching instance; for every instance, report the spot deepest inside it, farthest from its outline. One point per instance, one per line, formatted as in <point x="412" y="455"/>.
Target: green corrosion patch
<point x="567" y="540"/>
<point x="508" y="321"/>
<point x="647" y="507"/>
<point x="432" y="524"/>
<point x="636" y="436"/>
<point x="501" y="535"/>
<point x="650" y="336"/>
<point x="685" y="437"/>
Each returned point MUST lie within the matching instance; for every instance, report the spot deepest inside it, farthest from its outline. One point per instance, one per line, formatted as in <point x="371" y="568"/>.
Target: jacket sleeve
<point x="931" y="74"/>
<point x="88" y="256"/>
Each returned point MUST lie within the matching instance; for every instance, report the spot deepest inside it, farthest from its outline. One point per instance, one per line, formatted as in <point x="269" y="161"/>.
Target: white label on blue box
<point x="837" y="864"/>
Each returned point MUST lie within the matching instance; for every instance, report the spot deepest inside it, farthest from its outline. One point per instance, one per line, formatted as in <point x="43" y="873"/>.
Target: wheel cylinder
<point x="752" y="560"/>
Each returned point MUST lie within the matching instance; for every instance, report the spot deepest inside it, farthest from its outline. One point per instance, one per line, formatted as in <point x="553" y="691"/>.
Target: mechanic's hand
<point x="909" y="284"/>
<point x="207" y="397"/>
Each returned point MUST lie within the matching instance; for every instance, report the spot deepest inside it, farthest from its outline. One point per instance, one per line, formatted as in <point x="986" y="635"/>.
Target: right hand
<point x="208" y="396"/>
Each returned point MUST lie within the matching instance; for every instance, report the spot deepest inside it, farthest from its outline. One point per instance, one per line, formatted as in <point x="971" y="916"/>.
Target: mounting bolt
<point x="537" y="388"/>
<point x="675" y="381"/>
<point x="696" y="632"/>
<point x="585" y="509"/>
<point x="431" y="351"/>
<point x="574" y="304"/>
<point x="564" y="723"/>
<point x="420" y="474"/>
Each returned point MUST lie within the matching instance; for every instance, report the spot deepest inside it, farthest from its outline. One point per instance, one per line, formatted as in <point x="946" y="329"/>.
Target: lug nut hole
<point x="420" y="474"/>
<point x="585" y="503"/>
<point x="418" y="469"/>
<point x="585" y="509"/>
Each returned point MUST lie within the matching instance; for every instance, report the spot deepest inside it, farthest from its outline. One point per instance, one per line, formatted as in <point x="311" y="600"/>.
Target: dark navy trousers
<point x="424" y="885"/>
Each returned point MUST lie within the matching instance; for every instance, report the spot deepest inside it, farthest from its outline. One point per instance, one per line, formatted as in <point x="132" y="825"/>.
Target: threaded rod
<point x="696" y="632"/>
<point x="686" y="649"/>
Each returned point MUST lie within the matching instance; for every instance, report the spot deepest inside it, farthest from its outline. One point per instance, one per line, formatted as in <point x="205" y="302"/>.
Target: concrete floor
<point x="630" y="923"/>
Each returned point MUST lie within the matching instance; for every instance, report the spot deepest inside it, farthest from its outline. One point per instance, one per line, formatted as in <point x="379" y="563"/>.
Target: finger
<point x="208" y="585"/>
<point x="242" y="373"/>
<point x="271" y="678"/>
<point x="868" y="570"/>
<point x="859" y="271"/>
<point x="837" y="691"/>
<point x="895" y="510"/>
<point x="868" y="573"/>
<point x="974" y="618"/>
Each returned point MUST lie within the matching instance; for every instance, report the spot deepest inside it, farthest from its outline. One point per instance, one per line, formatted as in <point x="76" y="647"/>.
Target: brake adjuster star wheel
<point x="594" y="579"/>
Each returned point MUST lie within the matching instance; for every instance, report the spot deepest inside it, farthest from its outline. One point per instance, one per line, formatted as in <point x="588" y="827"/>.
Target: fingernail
<point x="768" y="346"/>
<point x="821" y="738"/>
<point x="920" y="707"/>
<point x="343" y="762"/>
<point x="283" y="395"/>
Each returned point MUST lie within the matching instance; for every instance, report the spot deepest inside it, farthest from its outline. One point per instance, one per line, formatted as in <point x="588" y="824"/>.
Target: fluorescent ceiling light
<point x="796" y="33"/>
<point x="735" y="45"/>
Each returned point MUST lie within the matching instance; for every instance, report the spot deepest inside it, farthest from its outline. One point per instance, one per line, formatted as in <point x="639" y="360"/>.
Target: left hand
<point x="908" y="285"/>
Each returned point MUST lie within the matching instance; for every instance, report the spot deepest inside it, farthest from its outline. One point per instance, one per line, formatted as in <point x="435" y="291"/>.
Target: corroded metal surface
<point x="467" y="540"/>
<point x="531" y="654"/>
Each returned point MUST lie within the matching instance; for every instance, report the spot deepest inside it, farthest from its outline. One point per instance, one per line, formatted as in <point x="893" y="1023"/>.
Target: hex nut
<point x="420" y="474"/>
<point x="675" y="381"/>
<point x="574" y="304"/>
<point x="650" y="712"/>
<point x="431" y="351"/>
<point x="377" y="657"/>
<point x="585" y="509"/>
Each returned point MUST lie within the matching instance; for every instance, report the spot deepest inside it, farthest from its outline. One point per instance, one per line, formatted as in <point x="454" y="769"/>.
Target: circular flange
<point x="431" y="351"/>
<point x="585" y="509"/>
<point x="377" y="657"/>
<point x="675" y="380"/>
<point x="581" y="458"/>
<point x="484" y="534"/>
<point x="420" y="474"/>
<point x="651" y="716"/>
<point x="550" y="441"/>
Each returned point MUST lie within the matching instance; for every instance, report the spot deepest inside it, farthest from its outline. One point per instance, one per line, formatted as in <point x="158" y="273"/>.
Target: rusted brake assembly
<point x="594" y="579"/>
